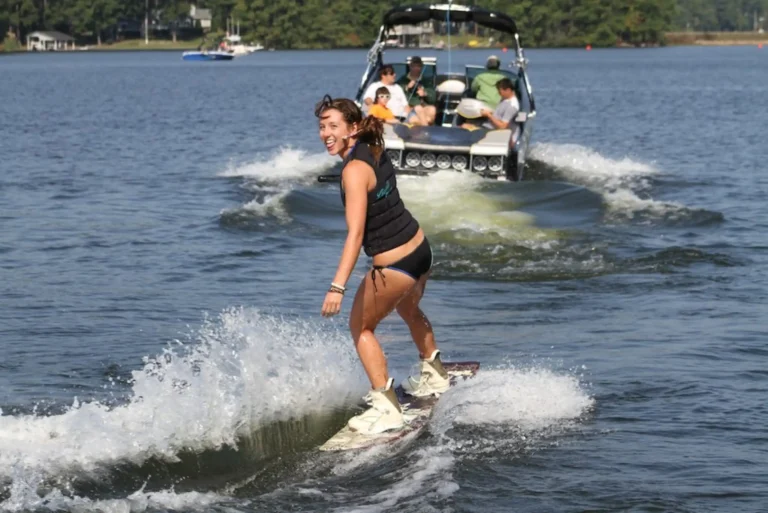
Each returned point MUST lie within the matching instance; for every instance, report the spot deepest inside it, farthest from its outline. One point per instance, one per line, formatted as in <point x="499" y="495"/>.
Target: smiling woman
<point x="378" y="220"/>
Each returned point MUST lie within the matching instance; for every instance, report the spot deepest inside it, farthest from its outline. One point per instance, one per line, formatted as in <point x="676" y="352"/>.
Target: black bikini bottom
<point x="415" y="264"/>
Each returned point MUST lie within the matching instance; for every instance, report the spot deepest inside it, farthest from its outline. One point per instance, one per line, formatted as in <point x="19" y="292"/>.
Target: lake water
<point x="165" y="249"/>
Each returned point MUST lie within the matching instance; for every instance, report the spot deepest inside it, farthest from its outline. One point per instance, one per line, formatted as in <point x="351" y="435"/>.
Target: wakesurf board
<point x="416" y="410"/>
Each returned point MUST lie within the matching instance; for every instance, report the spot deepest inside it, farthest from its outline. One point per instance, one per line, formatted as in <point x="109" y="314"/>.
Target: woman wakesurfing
<point x="378" y="221"/>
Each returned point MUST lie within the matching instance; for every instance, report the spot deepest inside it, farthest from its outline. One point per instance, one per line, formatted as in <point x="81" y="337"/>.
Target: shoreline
<point x="673" y="39"/>
<point x="736" y="42"/>
<point x="715" y="38"/>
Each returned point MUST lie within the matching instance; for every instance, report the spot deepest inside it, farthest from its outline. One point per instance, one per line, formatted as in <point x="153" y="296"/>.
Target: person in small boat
<point x="398" y="103"/>
<point x="378" y="220"/>
<point x="484" y="84"/>
<point x="379" y="108"/>
<point x="420" y="96"/>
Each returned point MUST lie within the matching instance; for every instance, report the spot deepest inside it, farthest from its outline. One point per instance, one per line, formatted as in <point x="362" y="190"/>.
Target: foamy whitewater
<point x="241" y="371"/>
<point x="273" y="177"/>
<point x="625" y="183"/>
<point x="502" y="410"/>
<point x="285" y="164"/>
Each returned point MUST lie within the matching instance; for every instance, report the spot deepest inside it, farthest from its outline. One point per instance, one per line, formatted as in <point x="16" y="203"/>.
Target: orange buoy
<point x="589" y="47"/>
<point x="504" y="49"/>
<point x="760" y="45"/>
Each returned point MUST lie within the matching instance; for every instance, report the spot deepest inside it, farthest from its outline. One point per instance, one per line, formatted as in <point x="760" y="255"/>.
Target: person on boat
<point x="504" y="113"/>
<point x="484" y="84"/>
<point x="378" y="220"/>
<point x="420" y="96"/>
<point x="398" y="103"/>
<point x="379" y="108"/>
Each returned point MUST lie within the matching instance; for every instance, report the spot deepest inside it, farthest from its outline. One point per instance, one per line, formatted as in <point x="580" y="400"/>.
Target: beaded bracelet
<point x="337" y="288"/>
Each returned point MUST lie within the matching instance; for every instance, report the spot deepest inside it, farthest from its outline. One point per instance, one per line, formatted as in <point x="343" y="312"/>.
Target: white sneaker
<point x="384" y="414"/>
<point x="433" y="379"/>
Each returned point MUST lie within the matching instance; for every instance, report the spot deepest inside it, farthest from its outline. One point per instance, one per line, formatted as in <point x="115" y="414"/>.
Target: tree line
<point x="354" y="23"/>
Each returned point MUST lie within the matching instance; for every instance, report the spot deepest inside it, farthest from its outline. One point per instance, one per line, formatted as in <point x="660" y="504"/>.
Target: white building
<point x="203" y="16"/>
<point x="404" y="36"/>
<point x="41" y="41"/>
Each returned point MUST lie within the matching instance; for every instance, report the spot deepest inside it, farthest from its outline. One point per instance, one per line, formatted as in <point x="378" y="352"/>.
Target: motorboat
<point x="236" y="46"/>
<point x="254" y="47"/>
<point x="445" y="145"/>
<point x="207" y="55"/>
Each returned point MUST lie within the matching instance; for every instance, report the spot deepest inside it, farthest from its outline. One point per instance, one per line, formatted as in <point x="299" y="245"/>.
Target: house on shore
<point x="412" y="36"/>
<point x="200" y="17"/>
<point x="47" y="40"/>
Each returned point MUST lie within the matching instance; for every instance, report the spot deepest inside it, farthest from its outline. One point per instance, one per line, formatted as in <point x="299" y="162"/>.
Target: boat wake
<point x="626" y="184"/>
<point x="239" y="384"/>
<point x="510" y="410"/>
<point x="509" y="231"/>
<point x="502" y="413"/>
<point x="269" y="180"/>
<point x="25" y="498"/>
<point x="238" y="409"/>
<point x="535" y="230"/>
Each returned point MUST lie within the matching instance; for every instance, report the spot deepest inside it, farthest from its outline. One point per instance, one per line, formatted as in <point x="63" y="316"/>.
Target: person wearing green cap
<point x="484" y="84"/>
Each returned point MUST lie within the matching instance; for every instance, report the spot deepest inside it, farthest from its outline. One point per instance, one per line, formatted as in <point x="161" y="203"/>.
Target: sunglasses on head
<point x="384" y="96"/>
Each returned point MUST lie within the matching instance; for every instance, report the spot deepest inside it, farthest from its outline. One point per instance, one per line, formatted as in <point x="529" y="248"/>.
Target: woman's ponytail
<point x="371" y="132"/>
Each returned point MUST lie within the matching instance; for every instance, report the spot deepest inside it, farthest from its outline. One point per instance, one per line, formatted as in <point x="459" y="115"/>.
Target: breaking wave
<point x="237" y="376"/>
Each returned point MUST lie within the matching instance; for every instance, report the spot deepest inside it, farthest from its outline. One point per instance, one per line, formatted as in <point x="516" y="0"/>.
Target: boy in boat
<point x="379" y="108"/>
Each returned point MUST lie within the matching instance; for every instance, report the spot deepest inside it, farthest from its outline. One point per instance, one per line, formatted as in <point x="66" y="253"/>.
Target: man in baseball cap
<point x="422" y="97"/>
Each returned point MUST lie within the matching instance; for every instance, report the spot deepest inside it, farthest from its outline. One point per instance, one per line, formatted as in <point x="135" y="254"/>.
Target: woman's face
<point x="334" y="131"/>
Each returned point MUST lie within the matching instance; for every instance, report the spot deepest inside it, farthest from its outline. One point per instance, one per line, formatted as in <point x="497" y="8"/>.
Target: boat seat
<point x="449" y="94"/>
<point x="452" y="86"/>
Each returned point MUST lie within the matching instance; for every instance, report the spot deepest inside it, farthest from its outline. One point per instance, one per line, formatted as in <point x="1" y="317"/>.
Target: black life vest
<point x="388" y="224"/>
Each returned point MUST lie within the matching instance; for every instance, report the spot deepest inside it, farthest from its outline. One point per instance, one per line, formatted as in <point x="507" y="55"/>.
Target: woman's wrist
<point x="335" y="287"/>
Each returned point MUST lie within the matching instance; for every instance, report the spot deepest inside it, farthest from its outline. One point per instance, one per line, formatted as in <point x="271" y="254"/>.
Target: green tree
<point x="172" y="13"/>
<point x="94" y="16"/>
<point x="355" y="23"/>
<point x="22" y="16"/>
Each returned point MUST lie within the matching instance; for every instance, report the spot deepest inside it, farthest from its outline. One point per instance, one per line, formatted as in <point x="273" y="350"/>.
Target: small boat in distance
<point x="207" y="55"/>
<point x="233" y="43"/>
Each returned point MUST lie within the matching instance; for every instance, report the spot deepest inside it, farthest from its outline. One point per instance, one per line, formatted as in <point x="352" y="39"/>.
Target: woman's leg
<point x="432" y="378"/>
<point x="418" y="324"/>
<point x="371" y="305"/>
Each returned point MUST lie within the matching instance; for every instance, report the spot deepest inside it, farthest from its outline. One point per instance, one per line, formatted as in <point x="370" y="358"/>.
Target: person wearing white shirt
<point x="398" y="103"/>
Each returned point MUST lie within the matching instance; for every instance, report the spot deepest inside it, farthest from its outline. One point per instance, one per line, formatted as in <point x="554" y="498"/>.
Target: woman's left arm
<point x="355" y="182"/>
